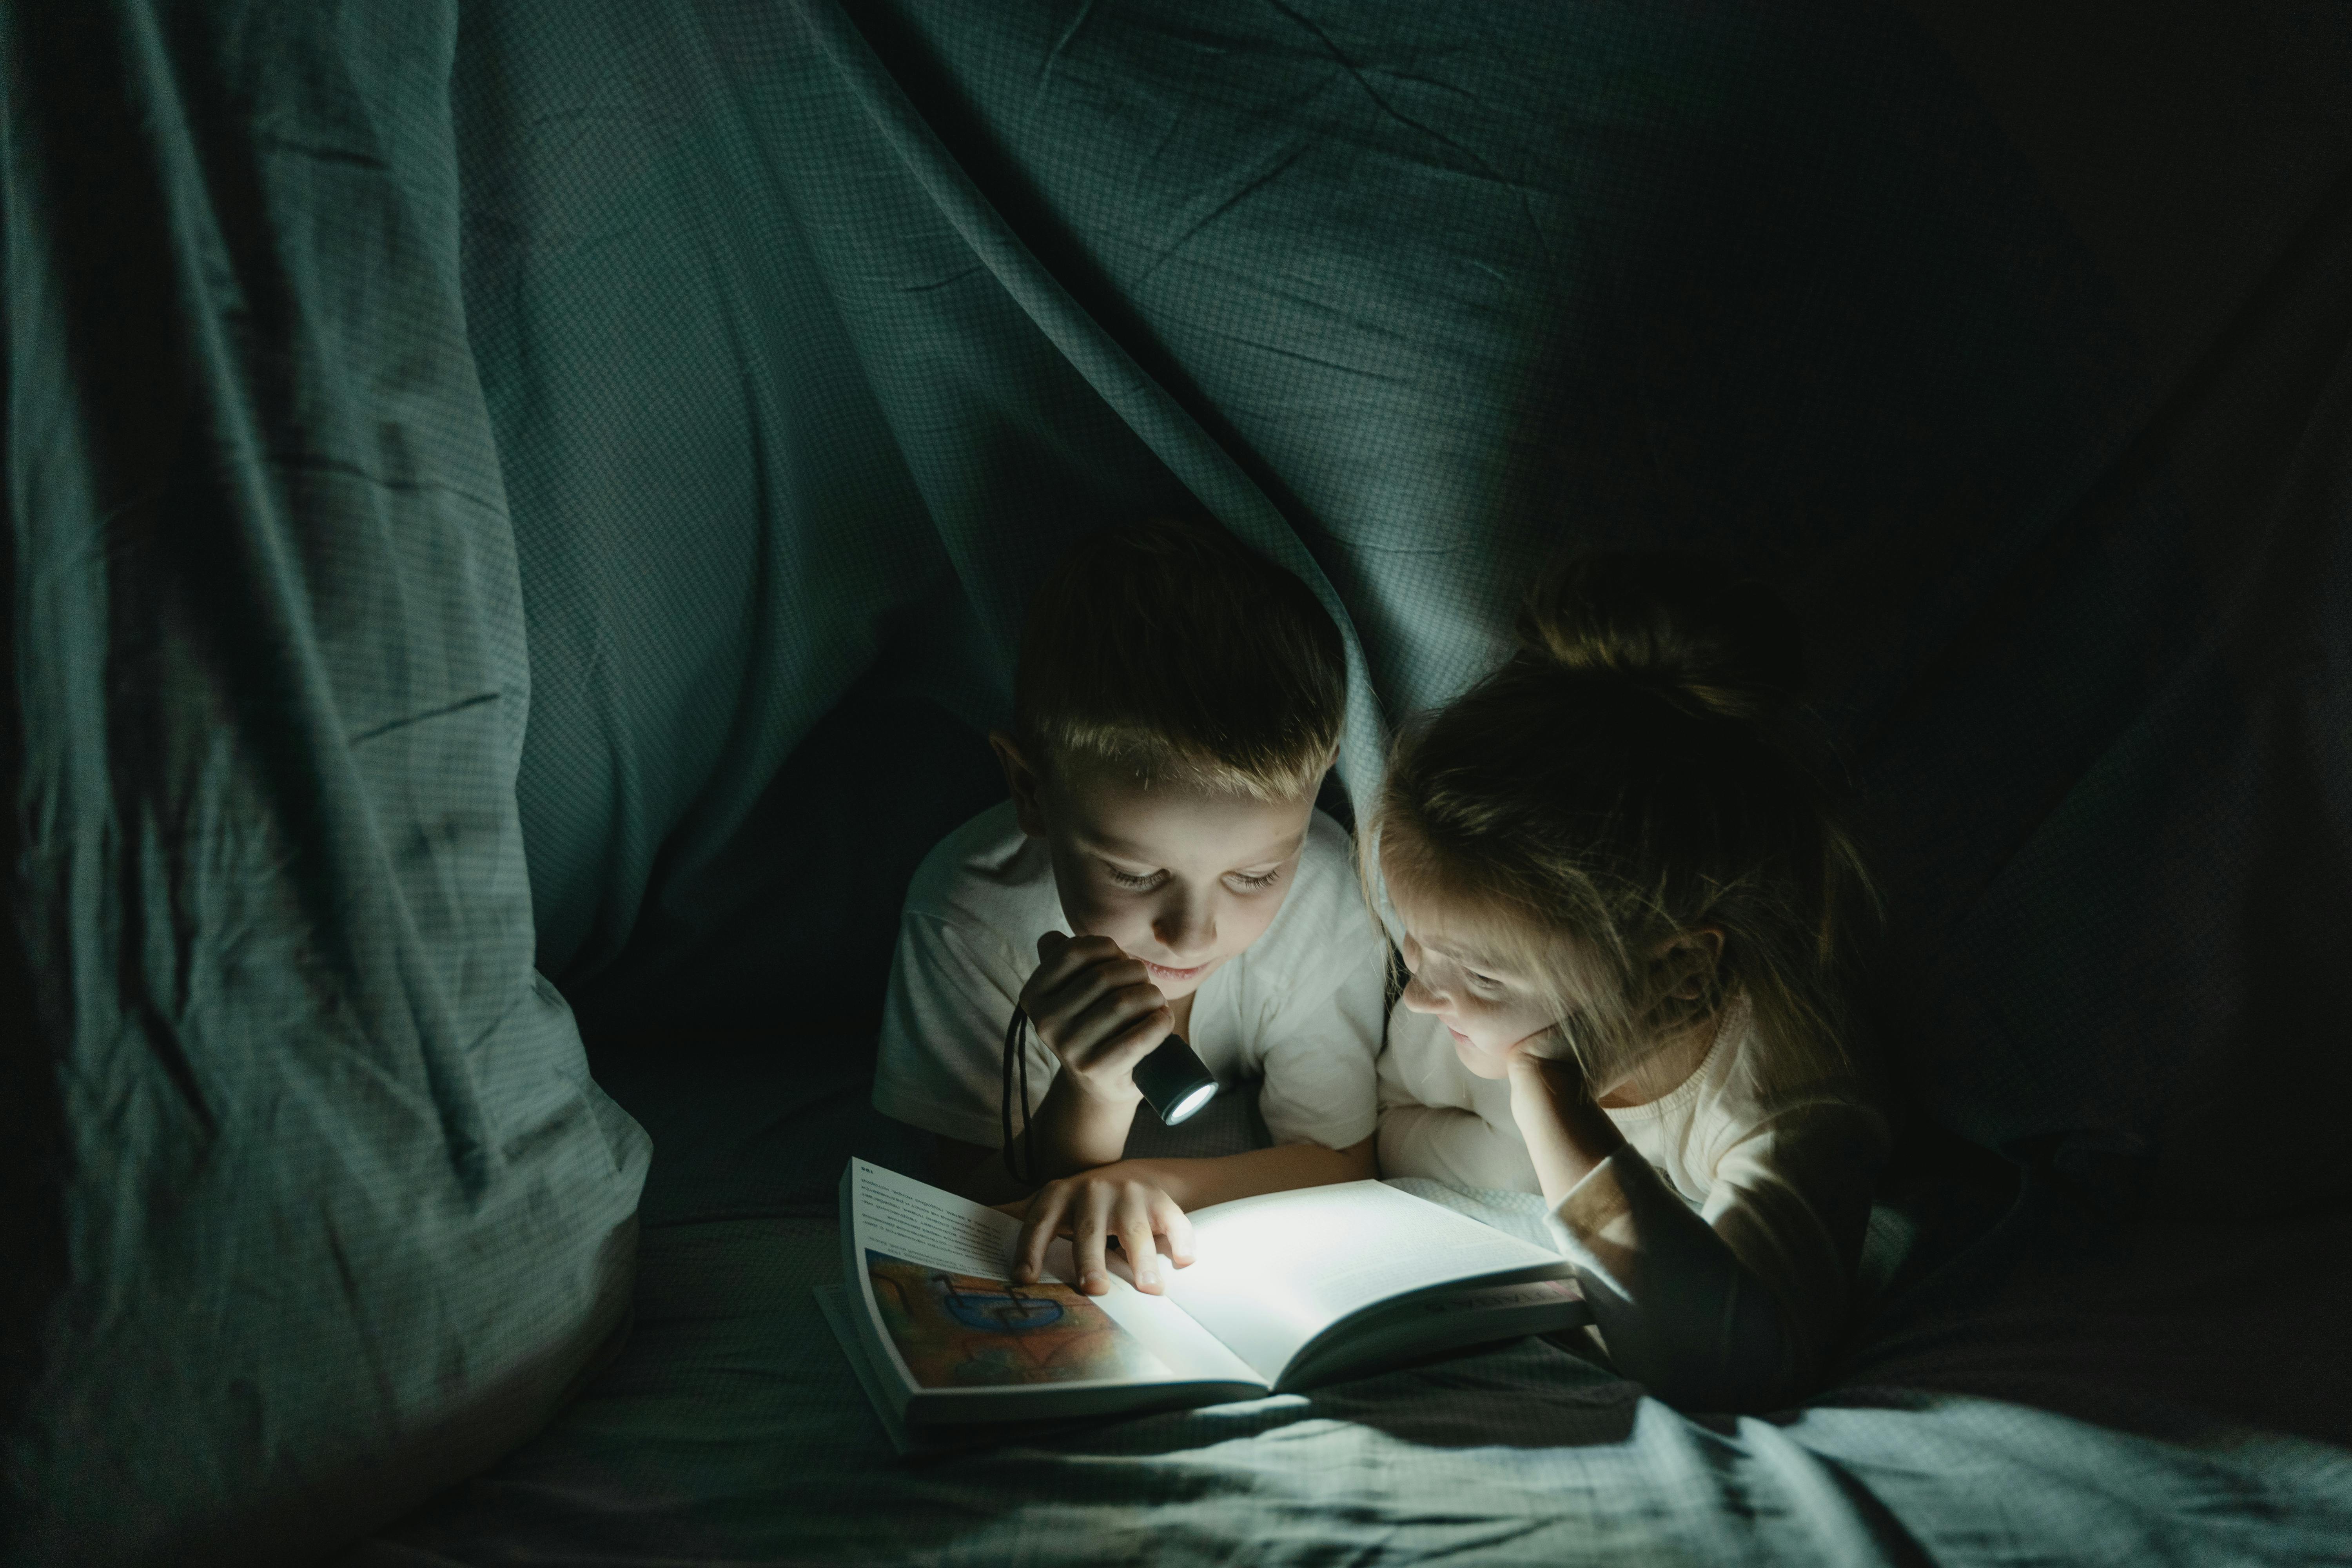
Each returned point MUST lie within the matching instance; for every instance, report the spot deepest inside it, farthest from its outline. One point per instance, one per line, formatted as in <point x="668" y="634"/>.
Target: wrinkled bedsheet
<point x="731" y="1431"/>
<point x="2019" y="1403"/>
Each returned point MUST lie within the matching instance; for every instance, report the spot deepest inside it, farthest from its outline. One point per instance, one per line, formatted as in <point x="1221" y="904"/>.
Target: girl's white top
<point x="1718" y="1247"/>
<point x="1296" y="1014"/>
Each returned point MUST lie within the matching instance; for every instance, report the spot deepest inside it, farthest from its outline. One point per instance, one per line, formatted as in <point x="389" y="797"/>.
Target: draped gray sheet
<point x="310" y="1205"/>
<point x="707" y="382"/>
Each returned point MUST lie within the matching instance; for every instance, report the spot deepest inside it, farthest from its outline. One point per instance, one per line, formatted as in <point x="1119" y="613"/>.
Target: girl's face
<point x="1490" y="1007"/>
<point x="1495" y="1008"/>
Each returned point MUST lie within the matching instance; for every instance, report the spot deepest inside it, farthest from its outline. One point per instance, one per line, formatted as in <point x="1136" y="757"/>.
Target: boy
<point x="1178" y="701"/>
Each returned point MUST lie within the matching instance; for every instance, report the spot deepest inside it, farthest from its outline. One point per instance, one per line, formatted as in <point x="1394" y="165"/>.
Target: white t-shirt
<point x="1782" y="1176"/>
<point x="1299" y="1011"/>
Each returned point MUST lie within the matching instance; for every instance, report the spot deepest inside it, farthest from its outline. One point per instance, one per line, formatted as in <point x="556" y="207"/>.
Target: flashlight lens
<point x="1191" y="1102"/>
<point x="1175" y="1082"/>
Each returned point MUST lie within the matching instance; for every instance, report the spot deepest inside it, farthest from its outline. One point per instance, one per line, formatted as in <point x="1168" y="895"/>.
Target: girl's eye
<point x="1123" y="880"/>
<point x="1253" y="884"/>
<point x="1477" y="979"/>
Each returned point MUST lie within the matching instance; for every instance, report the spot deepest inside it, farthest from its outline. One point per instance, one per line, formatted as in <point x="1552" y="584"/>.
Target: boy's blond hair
<point x="1170" y="651"/>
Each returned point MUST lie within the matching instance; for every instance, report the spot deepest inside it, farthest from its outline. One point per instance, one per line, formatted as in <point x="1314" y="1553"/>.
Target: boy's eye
<point x="1125" y="880"/>
<point x="1252" y="884"/>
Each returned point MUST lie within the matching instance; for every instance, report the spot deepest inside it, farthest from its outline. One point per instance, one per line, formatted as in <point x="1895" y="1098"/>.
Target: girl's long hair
<point x="1633" y="773"/>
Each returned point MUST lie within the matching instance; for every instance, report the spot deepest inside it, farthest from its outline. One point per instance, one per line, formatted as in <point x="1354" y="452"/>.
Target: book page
<point x="932" y="1271"/>
<point x="1274" y="1271"/>
<point x="899" y="1214"/>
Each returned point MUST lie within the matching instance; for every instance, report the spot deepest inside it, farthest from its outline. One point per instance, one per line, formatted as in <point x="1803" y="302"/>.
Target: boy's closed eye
<point x="1248" y="881"/>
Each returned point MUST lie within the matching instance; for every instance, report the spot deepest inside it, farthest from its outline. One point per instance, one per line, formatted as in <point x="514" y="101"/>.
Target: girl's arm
<point x="1567" y="1135"/>
<point x="1680" y="1312"/>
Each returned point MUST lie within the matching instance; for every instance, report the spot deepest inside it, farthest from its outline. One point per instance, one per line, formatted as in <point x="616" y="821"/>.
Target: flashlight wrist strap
<point x="1020" y="1155"/>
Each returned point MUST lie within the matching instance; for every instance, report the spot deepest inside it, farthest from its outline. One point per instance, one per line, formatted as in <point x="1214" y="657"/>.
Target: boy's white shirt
<point x="1300" y="1010"/>
<point x="1783" y="1176"/>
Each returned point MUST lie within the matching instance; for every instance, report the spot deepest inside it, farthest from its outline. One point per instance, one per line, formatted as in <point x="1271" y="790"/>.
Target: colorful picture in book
<point x="955" y="1331"/>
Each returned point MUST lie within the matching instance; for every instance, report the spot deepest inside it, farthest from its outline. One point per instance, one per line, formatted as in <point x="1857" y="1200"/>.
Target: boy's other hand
<point x="1093" y="1207"/>
<point x="1097" y="1011"/>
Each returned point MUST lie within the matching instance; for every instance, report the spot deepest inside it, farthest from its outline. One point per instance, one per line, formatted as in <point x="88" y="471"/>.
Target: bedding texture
<point x="518" y="515"/>
<point x="719" y="1438"/>
<point x="311" y="1203"/>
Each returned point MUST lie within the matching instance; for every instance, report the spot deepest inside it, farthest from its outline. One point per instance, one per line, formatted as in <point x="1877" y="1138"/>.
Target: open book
<point x="1290" y="1289"/>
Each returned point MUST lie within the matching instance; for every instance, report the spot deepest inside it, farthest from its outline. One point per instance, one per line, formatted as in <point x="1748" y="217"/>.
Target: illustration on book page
<point x="955" y="1331"/>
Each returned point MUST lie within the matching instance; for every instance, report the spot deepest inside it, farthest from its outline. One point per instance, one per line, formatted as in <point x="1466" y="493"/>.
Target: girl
<point x="1625" y="908"/>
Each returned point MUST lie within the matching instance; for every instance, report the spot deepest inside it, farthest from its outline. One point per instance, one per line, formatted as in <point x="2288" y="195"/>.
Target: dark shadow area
<point x="739" y="1024"/>
<point x="1525" y="1394"/>
<point x="789" y="931"/>
<point x="1508" y="1395"/>
<point x="2179" y="1330"/>
<point x="753" y="1124"/>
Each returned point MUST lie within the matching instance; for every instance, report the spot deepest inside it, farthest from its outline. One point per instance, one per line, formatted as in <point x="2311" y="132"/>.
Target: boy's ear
<point x="1021" y="782"/>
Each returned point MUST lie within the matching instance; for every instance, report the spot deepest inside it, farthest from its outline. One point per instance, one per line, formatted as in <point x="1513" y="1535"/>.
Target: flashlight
<point x="1174" y="1080"/>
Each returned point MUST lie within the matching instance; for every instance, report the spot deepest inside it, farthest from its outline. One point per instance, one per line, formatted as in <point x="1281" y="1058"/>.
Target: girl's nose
<point x="1419" y="998"/>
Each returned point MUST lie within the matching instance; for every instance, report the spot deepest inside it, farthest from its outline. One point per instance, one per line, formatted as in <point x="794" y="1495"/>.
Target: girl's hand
<point x="1546" y="1051"/>
<point x="1094" y="1206"/>
<point x="1543" y="1071"/>
<point x="1566" y="1131"/>
<point x="1097" y="1011"/>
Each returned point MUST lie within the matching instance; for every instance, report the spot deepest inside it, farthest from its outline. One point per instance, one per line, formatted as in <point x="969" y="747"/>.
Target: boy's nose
<point x="1187" y="930"/>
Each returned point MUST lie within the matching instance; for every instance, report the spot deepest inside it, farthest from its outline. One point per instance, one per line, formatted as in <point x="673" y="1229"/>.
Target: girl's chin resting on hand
<point x="1497" y="1061"/>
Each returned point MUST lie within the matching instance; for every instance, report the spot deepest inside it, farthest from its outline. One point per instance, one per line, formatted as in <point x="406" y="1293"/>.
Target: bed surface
<point x="731" y="1430"/>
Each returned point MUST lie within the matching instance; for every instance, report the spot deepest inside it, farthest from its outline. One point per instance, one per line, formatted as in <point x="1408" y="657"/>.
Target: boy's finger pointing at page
<point x="1177" y="1226"/>
<point x="1090" y="1234"/>
<point x="1137" y="1238"/>
<point x="1038" y="1228"/>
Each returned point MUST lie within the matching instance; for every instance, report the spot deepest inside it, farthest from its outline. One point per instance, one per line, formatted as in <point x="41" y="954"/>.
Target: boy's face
<point x="1179" y="878"/>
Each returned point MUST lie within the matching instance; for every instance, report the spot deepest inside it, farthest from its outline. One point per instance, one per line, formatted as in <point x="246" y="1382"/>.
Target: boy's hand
<point x="1097" y="1009"/>
<point x="1092" y="1207"/>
